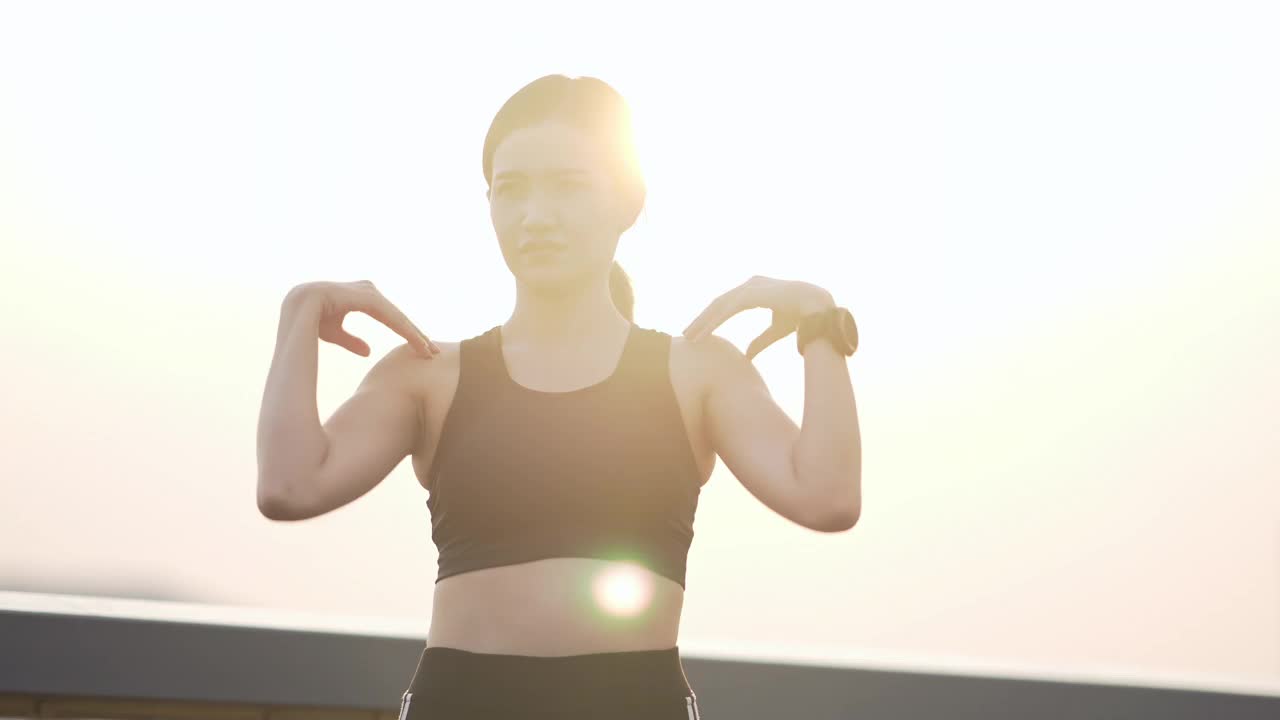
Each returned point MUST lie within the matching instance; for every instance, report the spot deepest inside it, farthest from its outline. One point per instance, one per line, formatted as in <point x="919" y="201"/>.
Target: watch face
<point x="849" y="329"/>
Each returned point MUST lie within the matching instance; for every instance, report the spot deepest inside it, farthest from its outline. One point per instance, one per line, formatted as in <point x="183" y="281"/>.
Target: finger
<point x="697" y="322"/>
<point x="342" y="338"/>
<point x="435" y="349"/>
<point x="715" y="314"/>
<point x="713" y="309"/>
<point x="383" y="311"/>
<point x="774" y="333"/>
<point x="712" y="318"/>
<point x="744" y="297"/>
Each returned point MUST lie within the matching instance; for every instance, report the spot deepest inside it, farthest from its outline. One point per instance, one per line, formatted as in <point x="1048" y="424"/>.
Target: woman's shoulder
<point x="437" y="377"/>
<point x="691" y="364"/>
<point x="412" y="364"/>
<point x="420" y="375"/>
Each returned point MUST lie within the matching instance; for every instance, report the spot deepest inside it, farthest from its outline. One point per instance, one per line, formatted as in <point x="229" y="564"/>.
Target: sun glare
<point x="623" y="590"/>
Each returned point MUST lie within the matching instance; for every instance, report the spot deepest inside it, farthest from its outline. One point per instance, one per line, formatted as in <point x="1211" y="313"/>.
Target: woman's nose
<point x="539" y="213"/>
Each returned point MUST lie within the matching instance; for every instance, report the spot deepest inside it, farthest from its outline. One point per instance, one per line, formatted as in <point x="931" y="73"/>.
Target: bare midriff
<point x="557" y="606"/>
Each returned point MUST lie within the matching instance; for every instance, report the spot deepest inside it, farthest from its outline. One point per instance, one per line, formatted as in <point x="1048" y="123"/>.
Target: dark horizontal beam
<point x="67" y="655"/>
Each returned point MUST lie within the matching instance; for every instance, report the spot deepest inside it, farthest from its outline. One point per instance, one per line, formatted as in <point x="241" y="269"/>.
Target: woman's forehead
<point x="547" y="148"/>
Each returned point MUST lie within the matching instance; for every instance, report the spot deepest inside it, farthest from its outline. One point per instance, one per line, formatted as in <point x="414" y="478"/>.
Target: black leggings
<point x="454" y="684"/>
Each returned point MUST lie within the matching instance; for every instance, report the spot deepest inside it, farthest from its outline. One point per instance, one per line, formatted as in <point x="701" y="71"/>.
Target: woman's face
<point x="555" y="206"/>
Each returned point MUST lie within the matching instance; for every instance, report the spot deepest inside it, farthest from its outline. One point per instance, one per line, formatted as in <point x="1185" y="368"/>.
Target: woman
<point x="564" y="451"/>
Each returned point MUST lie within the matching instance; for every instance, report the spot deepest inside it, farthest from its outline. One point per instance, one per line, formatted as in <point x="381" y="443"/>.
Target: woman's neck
<point x="541" y="319"/>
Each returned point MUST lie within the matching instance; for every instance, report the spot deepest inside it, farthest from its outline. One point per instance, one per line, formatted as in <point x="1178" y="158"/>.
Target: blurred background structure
<point x="84" y="658"/>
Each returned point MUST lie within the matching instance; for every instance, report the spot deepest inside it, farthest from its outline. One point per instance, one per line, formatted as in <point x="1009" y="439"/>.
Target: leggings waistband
<point x="453" y="675"/>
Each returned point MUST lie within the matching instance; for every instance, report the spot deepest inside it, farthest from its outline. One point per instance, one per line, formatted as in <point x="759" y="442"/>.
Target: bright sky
<point x="1057" y="229"/>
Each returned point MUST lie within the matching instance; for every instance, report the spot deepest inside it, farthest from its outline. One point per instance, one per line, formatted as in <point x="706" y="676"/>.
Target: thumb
<point x="772" y="334"/>
<point x="350" y="342"/>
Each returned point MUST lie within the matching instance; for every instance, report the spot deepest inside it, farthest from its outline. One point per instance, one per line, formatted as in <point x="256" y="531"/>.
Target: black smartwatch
<point x="835" y="324"/>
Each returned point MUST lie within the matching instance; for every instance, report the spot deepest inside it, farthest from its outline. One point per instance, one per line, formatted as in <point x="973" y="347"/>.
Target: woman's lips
<point x="540" y="253"/>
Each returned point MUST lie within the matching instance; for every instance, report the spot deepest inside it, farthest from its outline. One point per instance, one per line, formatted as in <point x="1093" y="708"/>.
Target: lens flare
<point x="623" y="590"/>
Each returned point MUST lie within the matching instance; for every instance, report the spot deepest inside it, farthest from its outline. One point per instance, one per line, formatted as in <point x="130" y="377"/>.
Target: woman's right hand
<point x="336" y="299"/>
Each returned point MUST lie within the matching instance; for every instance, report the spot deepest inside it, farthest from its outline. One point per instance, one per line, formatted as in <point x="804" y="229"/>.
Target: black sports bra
<point x="605" y="471"/>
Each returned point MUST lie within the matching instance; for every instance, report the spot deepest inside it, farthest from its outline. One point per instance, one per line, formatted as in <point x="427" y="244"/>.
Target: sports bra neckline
<point x="618" y="368"/>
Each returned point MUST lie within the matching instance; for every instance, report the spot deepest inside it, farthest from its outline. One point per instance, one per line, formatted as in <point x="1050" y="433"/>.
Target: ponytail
<point x="620" y="290"/>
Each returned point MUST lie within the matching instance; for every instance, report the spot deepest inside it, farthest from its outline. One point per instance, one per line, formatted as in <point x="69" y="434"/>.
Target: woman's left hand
<point x="790" y="300"/>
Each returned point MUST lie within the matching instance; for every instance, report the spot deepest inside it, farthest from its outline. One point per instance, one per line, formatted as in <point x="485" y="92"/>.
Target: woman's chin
<point x="547" y="279"/>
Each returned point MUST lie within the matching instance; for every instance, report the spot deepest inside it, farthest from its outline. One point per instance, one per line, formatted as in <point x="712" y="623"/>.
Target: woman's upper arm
<point x="753" y="435"/>
<point x="368" y="436"/>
